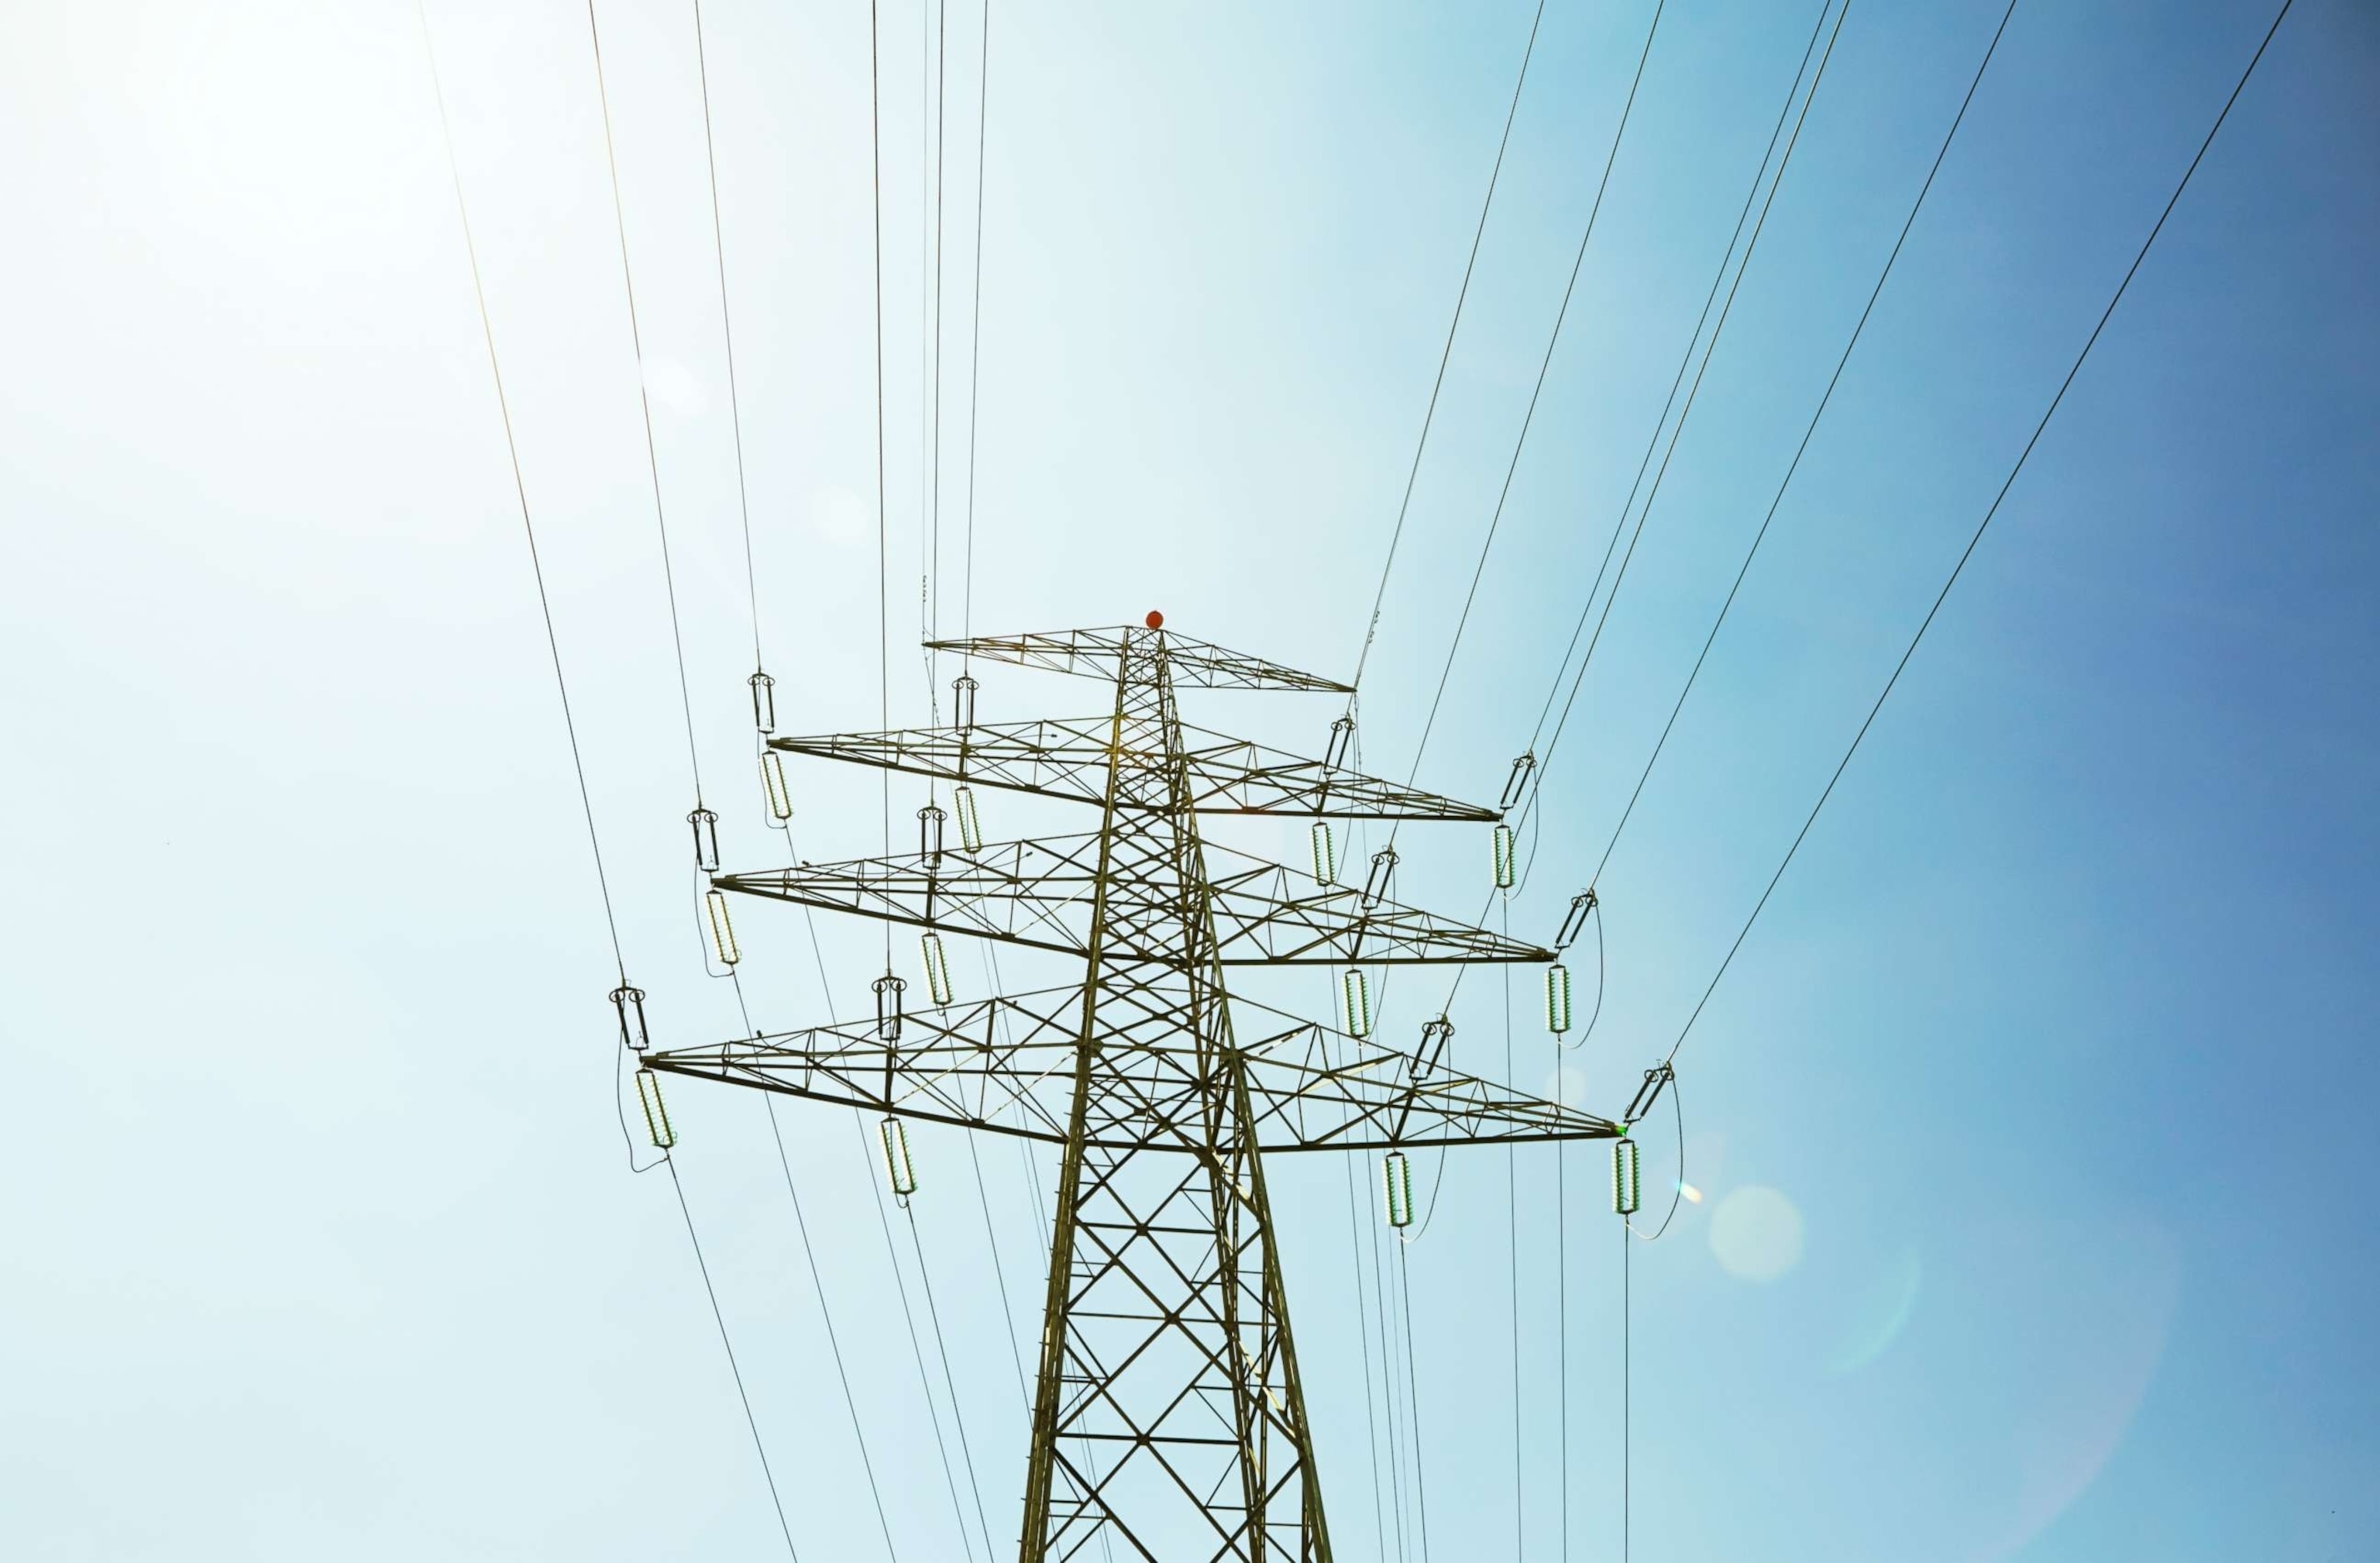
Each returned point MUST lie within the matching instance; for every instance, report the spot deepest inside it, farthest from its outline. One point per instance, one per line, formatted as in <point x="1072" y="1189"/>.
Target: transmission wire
<point x="883" y="568"/>
<point x="868" y="1156"/>
<point x="1412" y="1402"/>
<point x="727" y="333"/>
<point x="719" y="1318"/>
<point x="1535" y="790"/>
<point x="834" y="1343"/>
<point x="1538" y="776"/>
<point x="1685" y="361"/>
<point x="1795" y="465"/>
<point x="520" y="492"/>
<point x="1981" y="526"/>
<point x="975" y="323"/>
<point x="1430" y="414"/>
<point x="645" y="402"/>
<point x="1363" y="1330"/>
<point x="1546" y="363"/>
<point x="934" y="68"/>
<point x="950" y="1384"/>
<point x="1513" y="1271"/>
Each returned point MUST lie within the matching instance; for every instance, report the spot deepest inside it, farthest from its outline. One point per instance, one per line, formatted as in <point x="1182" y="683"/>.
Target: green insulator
<point x="772" y="783"/>
<point x="722" y="932"/>
<point x="1325" y="854"/>
<point x="1504" y="851"/>
<point x="938" y="971"/>
<point x="1625" y="1183"/>
<point x="657" y="1123"/>
<point x="1396" y="1178"/>
<point x="897" y="1164"/>
<point x="970" y="827"/>
<point x="1358" y="995"/>
<point x="1557" y="998"/>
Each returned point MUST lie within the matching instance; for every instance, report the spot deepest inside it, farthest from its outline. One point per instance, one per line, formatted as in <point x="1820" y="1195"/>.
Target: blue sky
<point x="2027" y="1122"/>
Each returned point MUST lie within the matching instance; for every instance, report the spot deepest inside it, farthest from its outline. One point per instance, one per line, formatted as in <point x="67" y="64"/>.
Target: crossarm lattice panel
<point x="1043" y="893"/>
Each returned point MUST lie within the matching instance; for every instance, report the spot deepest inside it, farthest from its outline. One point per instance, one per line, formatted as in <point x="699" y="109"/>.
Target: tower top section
<point x="1094" y="652"/>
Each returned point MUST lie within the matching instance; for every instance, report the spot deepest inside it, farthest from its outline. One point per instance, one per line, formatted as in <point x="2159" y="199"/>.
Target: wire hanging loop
<point x="1377" y="884"/>
<point x="1574" y="920"/>
<point x="630" y="1002"/>
<point x="1516" y="785"/>
<point x="706" y="838"/>
<point x="1659" y="1076"/>
<point x="888" y="989"/>
<point x="962" y="689"/>
<point x="1435" y="1035"/>
<point x="764" y="701"/>
<point x="930" y="820"/>
<point x="1342" y="735"/>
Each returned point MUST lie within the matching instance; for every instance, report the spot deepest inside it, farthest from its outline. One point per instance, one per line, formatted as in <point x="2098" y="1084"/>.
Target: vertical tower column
<point x="1168" y="1420"/>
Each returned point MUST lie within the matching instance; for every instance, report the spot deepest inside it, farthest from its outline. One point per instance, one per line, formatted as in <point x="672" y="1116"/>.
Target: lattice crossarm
<point x="1068" y="758"/>
<point x="1040" y="893"/>
<point x="1095" y="653"/>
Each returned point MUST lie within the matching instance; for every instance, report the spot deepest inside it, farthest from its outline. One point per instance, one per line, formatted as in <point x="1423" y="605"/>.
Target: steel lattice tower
<point x="1169" y="1416"/>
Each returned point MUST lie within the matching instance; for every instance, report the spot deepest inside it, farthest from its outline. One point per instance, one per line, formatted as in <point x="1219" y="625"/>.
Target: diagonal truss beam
<point x="1069" y="759"/>
<point x="1007" y="1064"/>
<point x="1042" y="894"/>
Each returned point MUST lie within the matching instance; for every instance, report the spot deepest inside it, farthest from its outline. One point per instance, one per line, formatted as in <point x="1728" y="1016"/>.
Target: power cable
<point x="916" y="1348"/>
<point x="1512" y="1264"/>
<point x="645" y="402"/>
<point x="1430" y="414"/>
<point x="934" y="67"/>
<point x="834" y="1343"/>
<point x="1412" y="1402"/>
<point x="1364" y="1343"/>
<point x="727" y="334"/>
<point x="974" y="316"/>
<point x="1535" y="790"/>
<point x="884" y="1225"/>
<point x="1552" y="339"/>
<point x="1562" y="1304"/>
<point x="950" y="1384"/>
<point x="1795" y="465"/>
<point x="1980" y="526"/>
<point x="883" y="568"/>
<point x="520" y="492"/>
<point x="1685" y="361"/>
<point x="1627" y="1362"/>
<point x="1538" y="776"/>
<point x="743" y="1394"/>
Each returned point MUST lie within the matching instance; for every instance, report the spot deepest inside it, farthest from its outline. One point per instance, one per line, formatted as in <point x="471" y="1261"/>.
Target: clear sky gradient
<point x="2030" y="1125"/>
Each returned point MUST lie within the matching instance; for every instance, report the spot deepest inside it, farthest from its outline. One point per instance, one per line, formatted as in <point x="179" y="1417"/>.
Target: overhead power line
<point x="1807" y="433"/>
<point x="1520" y="441"/>
<point x="520" y="492"/>
<point x="727" y="334"/>
<point x="645" y="404"/>
<point x="1981" y="526"/>
<point x="1430" y="414"/>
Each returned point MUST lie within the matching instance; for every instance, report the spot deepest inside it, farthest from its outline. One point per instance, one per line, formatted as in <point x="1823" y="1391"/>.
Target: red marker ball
<point x="1156" y="619"/>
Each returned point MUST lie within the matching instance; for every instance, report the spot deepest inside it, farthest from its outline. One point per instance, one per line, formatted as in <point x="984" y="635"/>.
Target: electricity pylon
<point x="1169" y="1418"/>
